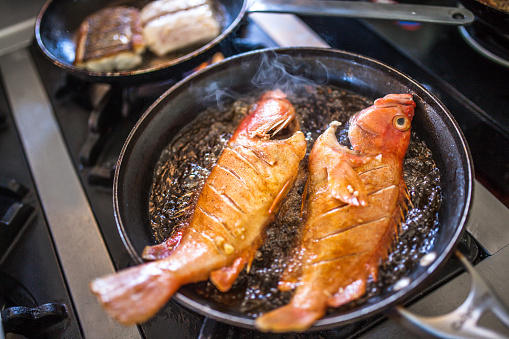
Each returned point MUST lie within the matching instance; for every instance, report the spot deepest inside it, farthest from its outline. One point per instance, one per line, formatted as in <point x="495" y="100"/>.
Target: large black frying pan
<point x="367" y="77"/>
<point x="58" y="22"/>
<point x="492" y="16"/>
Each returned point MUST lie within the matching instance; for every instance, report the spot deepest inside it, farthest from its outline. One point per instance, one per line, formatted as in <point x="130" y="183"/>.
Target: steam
<point x="219" y="95"/>
<point x="289" y="74"/>
<point x="293" y="75"/>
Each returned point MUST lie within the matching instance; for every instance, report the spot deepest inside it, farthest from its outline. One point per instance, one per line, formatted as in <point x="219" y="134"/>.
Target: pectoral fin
<point x="292" y="273"/>
<point x="345" y="184"/>
<point x="164" y="249"/>
<point x="224" y="278"/>
<point x="284" y="191"/>
<point x="351" y="292"/>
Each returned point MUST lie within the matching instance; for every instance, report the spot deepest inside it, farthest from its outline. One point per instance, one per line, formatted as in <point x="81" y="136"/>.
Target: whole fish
<point x="238" y="200"/>
<point x="354" y="206"/>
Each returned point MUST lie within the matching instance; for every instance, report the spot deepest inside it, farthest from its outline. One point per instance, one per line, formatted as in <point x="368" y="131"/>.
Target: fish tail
<point x="135" y="294"/>
<point x="288" y="319"/>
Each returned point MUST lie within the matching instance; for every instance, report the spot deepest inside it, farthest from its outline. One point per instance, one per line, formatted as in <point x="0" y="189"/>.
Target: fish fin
<point x="292" y="273"/>
<point x="392" y="233"/>
<point x="304" y="198"/>
<point x="164" y="249"/>
<point x="288" y="318"/>
<point x="373" y="271"/>
<point x="287" y="284"/>
<point x="279" y="197"/>
<point x="404" y="196"/>
<point x="134" y="295"/>
<point x="224" y="278"/>
<point x="403" y="205"/>
<point x="345" y="184"/>
<point x="388" y="240"/>
<point x="351" y="292"/>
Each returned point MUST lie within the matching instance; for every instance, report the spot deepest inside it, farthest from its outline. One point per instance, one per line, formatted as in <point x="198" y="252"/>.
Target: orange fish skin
<point x="238" y="200"/>
<point x="353" y="212"/>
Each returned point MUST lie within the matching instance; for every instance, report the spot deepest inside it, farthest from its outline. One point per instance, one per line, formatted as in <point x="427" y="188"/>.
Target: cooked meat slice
<point x="169" y="25"/>
<point x="110" y="39"/>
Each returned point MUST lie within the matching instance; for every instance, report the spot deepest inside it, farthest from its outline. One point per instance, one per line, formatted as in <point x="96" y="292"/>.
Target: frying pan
<point x="367" y="77"/>
<point x="492" y="16"/>
<point x="58" y="22"/>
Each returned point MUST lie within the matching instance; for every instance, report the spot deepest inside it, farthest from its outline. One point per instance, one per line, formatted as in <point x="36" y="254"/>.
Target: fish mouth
<point x="284" y="129"/>
<point x="279" y="130"/>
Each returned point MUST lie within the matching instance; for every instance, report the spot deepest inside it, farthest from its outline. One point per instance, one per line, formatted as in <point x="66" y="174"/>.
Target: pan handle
<point x="462" y="322"/>
<point x="367" y="10"/>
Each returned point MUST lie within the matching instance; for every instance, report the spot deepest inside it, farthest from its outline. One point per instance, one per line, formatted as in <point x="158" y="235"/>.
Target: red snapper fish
<point x="239" y="199"/>
<point x="355" y="203"/>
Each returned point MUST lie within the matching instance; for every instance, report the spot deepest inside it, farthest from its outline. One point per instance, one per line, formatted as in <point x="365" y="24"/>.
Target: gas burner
<point x="114" y="104"/>
<point x="488" y="42"/>
<point x="114" y="113"/>
<point x="20" y="314"/>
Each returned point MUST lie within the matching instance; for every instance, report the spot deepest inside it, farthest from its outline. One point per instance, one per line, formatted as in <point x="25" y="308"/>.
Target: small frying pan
<point x="58" y="22"/>
<point x="492" y="16"/>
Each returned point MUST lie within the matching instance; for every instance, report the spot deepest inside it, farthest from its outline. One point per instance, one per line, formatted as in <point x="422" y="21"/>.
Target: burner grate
<point x="21" y="315"/>
<point x="14" y="214"/>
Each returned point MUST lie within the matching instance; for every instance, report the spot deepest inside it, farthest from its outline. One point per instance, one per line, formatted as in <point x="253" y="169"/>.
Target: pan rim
<point x="396" y="298"/>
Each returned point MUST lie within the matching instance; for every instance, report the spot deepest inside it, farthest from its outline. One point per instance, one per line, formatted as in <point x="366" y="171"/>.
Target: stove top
<point x="32" y="284"/>
<point x="65" y="143"/>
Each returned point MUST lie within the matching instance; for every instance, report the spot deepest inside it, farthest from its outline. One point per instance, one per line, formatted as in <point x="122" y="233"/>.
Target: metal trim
<point x="16" y="36"/>
<point x="287" y="30"/>
<point x="77" y="238"/>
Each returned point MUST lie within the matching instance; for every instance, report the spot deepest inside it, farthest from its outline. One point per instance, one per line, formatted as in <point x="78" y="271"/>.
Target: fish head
<point x="268" y="118"/>
<point x="383" y="127"/>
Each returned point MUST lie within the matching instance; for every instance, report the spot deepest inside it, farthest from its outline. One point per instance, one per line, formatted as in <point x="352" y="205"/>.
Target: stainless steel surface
<point x="17" y="21"/>
<point x="495" y="271"/>
<point x="2" y="336"/>
<point x="277" y="28"/>
<point x="489" y="221"/>
<point x="82" y="252"/>
<point x="463" y="321"/>
<point x="13" y="12"/>
<point x="16" y="36"/>
<point x="367" y="10"/>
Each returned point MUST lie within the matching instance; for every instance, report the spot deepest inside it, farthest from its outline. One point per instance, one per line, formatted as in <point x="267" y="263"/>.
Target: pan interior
<point x="360" y="75"/>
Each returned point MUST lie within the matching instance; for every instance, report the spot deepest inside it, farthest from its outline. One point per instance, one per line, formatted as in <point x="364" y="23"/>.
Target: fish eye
<point x="401" y="123"/>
